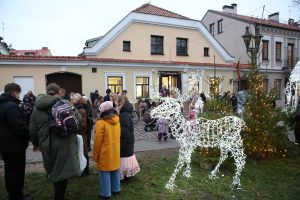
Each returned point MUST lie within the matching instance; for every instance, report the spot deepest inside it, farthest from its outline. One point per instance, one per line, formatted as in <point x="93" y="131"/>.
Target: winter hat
<point x="107" y="105"/>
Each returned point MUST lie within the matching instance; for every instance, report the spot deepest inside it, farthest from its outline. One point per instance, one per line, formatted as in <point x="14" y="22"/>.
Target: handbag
<point x="82" y="159"/>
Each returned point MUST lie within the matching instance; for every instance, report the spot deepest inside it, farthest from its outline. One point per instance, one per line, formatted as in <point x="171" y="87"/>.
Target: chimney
<point x="291" y="21"/>
<point x="230" y="9"/>
<point x="234" y="5"/>
<point x="45" y="48"/>
<point x="274" y="17"/>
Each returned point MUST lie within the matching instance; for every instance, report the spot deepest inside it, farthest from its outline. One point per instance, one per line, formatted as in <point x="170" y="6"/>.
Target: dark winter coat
<point x="106" y="98"/>
<point x="127" y="130"/>
<point x="61" y="155"/>
<point x="14" y="134"/>
<point x="82" y="108"/>
<point x="28" y="105"/>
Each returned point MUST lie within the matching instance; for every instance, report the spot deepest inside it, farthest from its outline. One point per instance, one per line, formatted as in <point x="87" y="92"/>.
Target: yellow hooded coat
<point x="106" y="151"/>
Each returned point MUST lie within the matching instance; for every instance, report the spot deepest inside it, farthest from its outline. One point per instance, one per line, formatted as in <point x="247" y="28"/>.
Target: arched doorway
<point x="71" y="82"/>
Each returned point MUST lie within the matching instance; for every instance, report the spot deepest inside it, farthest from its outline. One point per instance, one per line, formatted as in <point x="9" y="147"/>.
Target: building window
<point x="220" y="26"/>
<point x="142" y="87"/>
<point x="94" y="70"/>
<point x="277" y="87"/>
<point x="290" y="56"/>
<point x="29" y="54"/>
<point x="181" y="47"/>
<point x="265" y="50"/>
<point x="214" y="84"/>
<point x="194" y="85"/>
<point x="212" y="28"/>
<point x="126" y="45"/>
<point x="266" y="85"/>
<point x="206" y="51"/>
<point x="278" y="51"/>
<point x="157" y="44"/>
<point x="115" y="83"/>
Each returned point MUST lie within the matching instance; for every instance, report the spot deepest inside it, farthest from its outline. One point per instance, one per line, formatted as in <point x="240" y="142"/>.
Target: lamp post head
<point x="257" y="38"/>
<point x="247" y="37"/>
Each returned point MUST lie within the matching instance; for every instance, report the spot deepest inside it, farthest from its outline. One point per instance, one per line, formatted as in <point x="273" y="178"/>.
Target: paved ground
<point x="144" y="141"/>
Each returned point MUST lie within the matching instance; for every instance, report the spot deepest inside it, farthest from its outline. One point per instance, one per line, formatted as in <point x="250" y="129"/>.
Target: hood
<point x="113" y="120"/>
<point x="6" y="97"/>
<point x="82" y="101"/>
<point x="81" y="104"/>
<point x="44" y="101"/>
<point x="127" y="107"/>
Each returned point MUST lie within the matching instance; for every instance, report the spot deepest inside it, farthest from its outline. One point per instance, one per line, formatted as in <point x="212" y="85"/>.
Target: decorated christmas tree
<point x="263" y="138"/>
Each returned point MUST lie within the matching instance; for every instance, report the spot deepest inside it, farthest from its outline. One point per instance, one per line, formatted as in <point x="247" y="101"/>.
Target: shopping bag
<point x="82" y="159"/>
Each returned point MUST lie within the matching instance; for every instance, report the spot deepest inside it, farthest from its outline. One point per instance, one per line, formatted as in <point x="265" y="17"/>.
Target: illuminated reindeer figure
<point x="223" y="133"/>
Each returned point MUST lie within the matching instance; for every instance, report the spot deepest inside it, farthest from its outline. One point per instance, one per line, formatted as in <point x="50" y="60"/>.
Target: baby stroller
<point x="150" y="124"/>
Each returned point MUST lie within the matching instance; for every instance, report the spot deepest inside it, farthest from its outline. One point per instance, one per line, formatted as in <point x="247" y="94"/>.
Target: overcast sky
<point x="65" y="25"/>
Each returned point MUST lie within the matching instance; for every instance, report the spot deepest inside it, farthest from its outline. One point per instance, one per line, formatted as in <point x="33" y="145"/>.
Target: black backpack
<point x="63" y="120"/>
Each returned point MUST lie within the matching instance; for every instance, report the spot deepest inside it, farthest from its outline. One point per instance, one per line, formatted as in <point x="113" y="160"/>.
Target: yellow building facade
<point x="149" y="48"/>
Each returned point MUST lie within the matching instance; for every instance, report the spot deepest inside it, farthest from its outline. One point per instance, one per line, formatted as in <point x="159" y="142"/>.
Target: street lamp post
<point x="254" y="41"/>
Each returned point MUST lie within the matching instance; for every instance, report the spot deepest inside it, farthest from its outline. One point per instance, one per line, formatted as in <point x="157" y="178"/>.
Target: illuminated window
<point x="115" y="83"/>
<point x="277" y="87"/>
<point x="193" y="86"/>
<point x="169" y="81"/>
<point x="214" y="84"/>
<point x="142" y="87"/>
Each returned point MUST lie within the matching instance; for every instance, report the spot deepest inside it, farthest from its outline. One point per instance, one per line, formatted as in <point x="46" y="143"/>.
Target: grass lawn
<point x="271" y="179"/>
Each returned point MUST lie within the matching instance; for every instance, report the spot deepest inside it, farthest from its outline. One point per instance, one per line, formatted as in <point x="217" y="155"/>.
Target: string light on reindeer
<point x="292" y="89"/>
<point x="194" y="78"/>
<point x="223" y="133"/>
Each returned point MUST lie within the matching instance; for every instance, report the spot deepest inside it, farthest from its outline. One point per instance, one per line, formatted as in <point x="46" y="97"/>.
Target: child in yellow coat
<point x="106" y="151"/>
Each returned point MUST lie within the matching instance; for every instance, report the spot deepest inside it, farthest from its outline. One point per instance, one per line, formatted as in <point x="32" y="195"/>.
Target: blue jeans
<point x="109" y="182"/>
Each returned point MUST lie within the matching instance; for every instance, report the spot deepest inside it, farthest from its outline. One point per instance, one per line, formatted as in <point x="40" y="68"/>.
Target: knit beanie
<point x="107" y="105"/>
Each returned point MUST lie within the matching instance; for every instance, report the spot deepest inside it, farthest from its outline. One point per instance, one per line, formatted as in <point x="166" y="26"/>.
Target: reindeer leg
<point x="239" y="159"/>
<point x="187" y="172"/>
<point x="170" y="185"/>
<point x="223" y="156"/>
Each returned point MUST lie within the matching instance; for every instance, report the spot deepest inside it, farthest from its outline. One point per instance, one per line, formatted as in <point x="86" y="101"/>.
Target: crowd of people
<point x="112" y="133"/>
<point x="106" y="120"/>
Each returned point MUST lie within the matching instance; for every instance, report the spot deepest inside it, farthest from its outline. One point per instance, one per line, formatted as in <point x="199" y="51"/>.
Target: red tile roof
<point x="108" y="60"/>
<point x="265" y="22"/>
<point x="37" y="52"/>
<point x="154" y="10"/>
